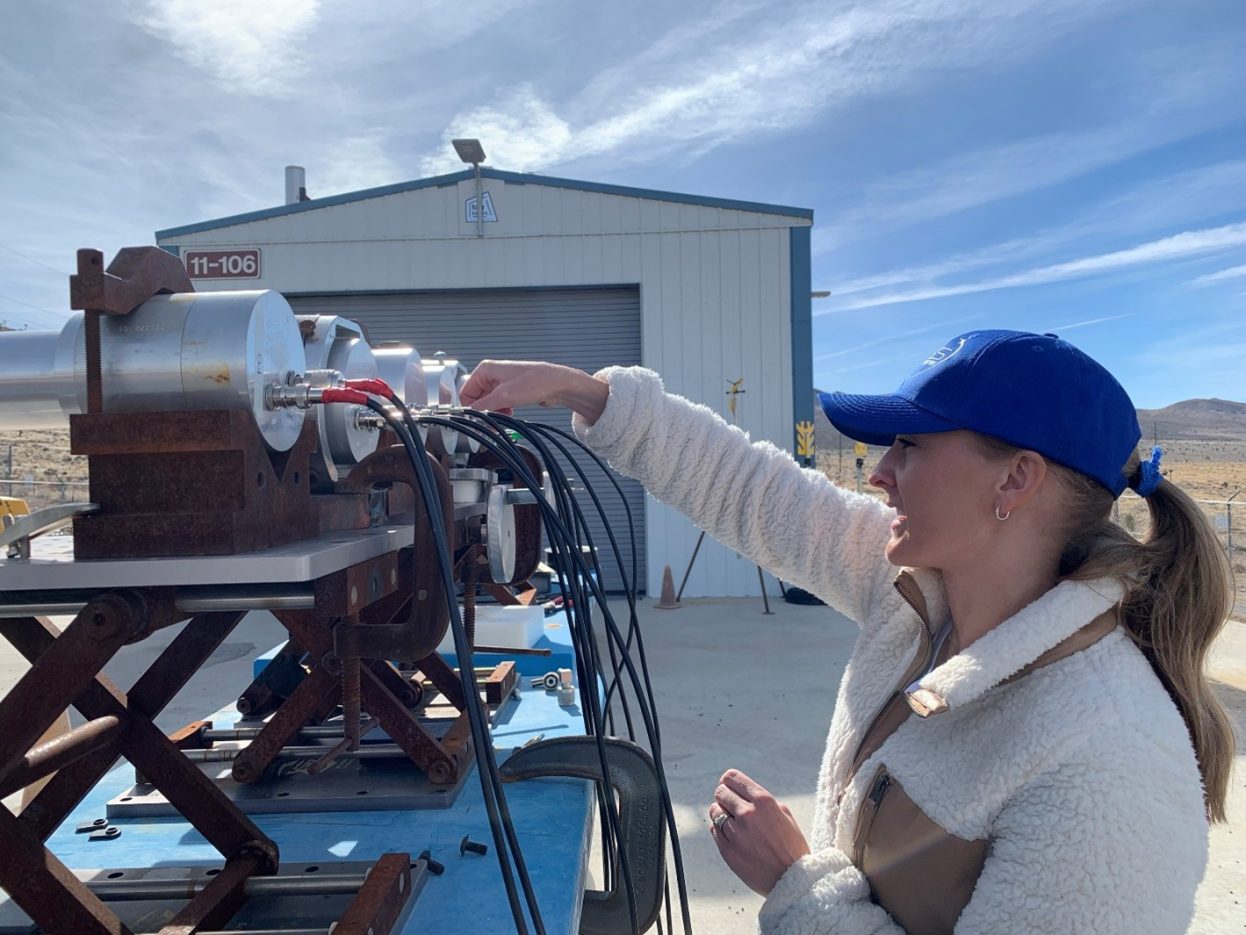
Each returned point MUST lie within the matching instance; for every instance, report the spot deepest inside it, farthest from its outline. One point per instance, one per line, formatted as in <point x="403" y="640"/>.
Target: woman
<point x="1024" y="739"/>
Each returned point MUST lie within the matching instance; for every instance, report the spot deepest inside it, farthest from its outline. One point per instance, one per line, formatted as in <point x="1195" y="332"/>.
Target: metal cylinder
<point x="296" y="184"/>
<point x="444" y="377"/>
<point x="38" y="387"/>
<point x="59" y="752"/>
<point x="338" y="344"/>
<point x="400" y="366"/>
<point x="212" y="350"/>
<point x="146" y="888"/>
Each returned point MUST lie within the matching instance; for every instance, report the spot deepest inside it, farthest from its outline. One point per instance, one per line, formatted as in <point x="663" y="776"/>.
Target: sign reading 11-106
<point x="223" y="264"/>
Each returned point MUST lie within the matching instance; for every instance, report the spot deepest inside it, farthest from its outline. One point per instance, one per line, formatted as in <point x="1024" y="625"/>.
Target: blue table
<point x="552" y="819"/>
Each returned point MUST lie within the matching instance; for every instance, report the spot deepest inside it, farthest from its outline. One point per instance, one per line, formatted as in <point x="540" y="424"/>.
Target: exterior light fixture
<point x="470" y="151"/>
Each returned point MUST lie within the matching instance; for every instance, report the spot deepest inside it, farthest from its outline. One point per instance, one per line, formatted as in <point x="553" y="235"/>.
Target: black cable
<point x="648" y="711"/>
<point x="565" y="524"/>
<point x="495" y="802"/>
<point x="587" y="663"/>
<point x="634" y="629"/>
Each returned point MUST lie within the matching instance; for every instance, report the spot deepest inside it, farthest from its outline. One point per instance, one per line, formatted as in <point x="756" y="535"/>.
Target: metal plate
<point x="260" y="912"/>
<point x="295" y="561"/>
<point x="347" y="785"/>
<point x="344" y="786"/>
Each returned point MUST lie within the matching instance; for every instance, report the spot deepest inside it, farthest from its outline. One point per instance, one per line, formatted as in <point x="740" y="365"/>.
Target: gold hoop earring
<point x="1004" y="517"/>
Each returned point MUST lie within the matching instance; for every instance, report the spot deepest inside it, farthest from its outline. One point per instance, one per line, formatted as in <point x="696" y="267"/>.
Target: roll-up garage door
<point x="585" y="328"/>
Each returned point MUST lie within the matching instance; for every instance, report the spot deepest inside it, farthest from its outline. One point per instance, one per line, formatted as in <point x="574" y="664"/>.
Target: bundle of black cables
<point x="580" y="579"/>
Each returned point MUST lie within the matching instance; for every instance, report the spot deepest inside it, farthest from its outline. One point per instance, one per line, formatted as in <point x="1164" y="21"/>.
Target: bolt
<point x="434" y="867"/>
<point x="469" y="845"/>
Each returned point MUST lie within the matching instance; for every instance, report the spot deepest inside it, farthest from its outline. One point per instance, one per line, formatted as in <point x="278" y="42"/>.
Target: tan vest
<point x="920" y="873"/>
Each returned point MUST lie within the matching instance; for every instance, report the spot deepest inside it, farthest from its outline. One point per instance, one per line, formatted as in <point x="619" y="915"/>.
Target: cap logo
<point x="943" y="353"/>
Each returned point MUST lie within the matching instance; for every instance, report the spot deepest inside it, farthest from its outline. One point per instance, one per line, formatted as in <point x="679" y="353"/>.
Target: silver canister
<point x="212" y="350"/>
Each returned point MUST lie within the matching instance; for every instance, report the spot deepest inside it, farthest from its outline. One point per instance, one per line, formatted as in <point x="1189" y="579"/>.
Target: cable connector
<point x="373" y="385"/>
<point x="303" y="396"/>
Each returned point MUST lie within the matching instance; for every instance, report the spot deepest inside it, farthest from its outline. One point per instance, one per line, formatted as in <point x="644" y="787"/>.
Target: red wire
<point x="373" y="385"/>
<point x="337" y="394"/>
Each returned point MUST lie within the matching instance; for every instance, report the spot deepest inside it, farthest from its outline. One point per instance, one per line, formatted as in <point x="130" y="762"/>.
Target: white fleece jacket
<point x="1081" y="774"/>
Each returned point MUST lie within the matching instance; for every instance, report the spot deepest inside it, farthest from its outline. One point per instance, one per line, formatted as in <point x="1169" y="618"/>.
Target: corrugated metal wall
<point x="585" y="328"/>
<point x="714" y="282"/>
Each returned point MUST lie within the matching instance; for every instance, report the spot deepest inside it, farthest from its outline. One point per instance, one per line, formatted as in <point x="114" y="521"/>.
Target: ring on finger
<point x="720" y="819"/>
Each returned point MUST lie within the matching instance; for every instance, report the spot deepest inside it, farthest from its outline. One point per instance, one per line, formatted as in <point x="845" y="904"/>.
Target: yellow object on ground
<point x="13" y="506"/>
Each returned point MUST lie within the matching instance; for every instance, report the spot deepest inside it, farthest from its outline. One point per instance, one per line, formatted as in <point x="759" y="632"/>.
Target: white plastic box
<point x="510" y="625"/>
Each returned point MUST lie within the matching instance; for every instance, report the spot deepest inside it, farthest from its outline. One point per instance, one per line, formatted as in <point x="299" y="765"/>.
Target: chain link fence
<point x="1228" y="518"/>
<point x="42" y="493"/>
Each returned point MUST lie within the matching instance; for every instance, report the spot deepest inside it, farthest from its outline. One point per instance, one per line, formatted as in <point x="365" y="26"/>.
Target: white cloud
<point x="1060" y="329"/>
<point x="249" y="47"/>
<point x="1177" y="199"/>
<point x="1233" y="272"/>
<point x="1189" y="243"/>
<point x="691" y="94"/>
<point x="520" y="132"/>
<point x="889" y="337"/>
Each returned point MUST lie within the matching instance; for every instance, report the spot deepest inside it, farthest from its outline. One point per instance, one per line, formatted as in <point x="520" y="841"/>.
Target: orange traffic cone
<point x="667" y="601"/>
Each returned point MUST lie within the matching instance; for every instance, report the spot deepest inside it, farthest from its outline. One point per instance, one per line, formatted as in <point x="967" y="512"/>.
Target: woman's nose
<point x="882" y="476"/>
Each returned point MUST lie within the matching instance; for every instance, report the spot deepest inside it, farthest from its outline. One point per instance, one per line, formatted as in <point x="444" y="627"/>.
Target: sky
<point x="1066" y="166"/>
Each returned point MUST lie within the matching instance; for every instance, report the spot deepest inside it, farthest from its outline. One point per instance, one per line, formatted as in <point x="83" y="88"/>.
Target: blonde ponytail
<point x="1179" y="591"/>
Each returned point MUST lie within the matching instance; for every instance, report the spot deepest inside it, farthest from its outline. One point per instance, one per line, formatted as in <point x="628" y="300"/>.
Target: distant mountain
<point x="1189" y="420"/>
<point x="1205" y="419"/>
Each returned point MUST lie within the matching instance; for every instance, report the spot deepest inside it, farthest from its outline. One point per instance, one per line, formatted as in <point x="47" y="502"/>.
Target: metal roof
<point x="513" y="178"/>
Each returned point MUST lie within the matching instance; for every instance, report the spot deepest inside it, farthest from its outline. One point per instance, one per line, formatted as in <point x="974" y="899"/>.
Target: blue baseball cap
<point x="1034" y="391"/>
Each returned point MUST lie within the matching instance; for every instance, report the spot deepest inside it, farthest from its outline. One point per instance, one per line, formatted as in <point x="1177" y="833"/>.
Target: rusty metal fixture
<point x="59" y="671"/>
<point x="469" y="577"/>
<point x="429" y="613"/>
<point x="157" y="686"/>
<point x="345" y="745"/>
<point x="95" y="382"/>
<point x="274" y="684"/>
<point x="501" y="682"/>
<point x="346" y="592"/>
<point x="443" y="678"/>
<point x="45" y="889"/>
<point x="38" y="882"/>
<point x="178" y="483"/>
<point x="319" y="687"/>
<point x="441" y="761"/>
<point x="134" y="276"/>
<point x="350" y="691"/>
<point x="218" y="902"/>
<point x="381" y="900"/>
<point x="47" y="758"/>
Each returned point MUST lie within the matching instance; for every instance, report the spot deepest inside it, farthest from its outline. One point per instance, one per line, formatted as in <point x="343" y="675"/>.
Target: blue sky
<point x="1076" y="166"/>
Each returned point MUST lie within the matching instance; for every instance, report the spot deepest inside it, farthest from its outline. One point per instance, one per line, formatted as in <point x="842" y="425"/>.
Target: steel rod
<point x="189" y="604"/>
<point x="49" y="757"/>
<point x="366" y="752"/>
<point x="310" y="885"/>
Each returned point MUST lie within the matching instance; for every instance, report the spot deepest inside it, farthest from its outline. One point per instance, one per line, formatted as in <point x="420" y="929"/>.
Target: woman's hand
<point x="503" y="385"/>
<point x="758" y="838"/>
